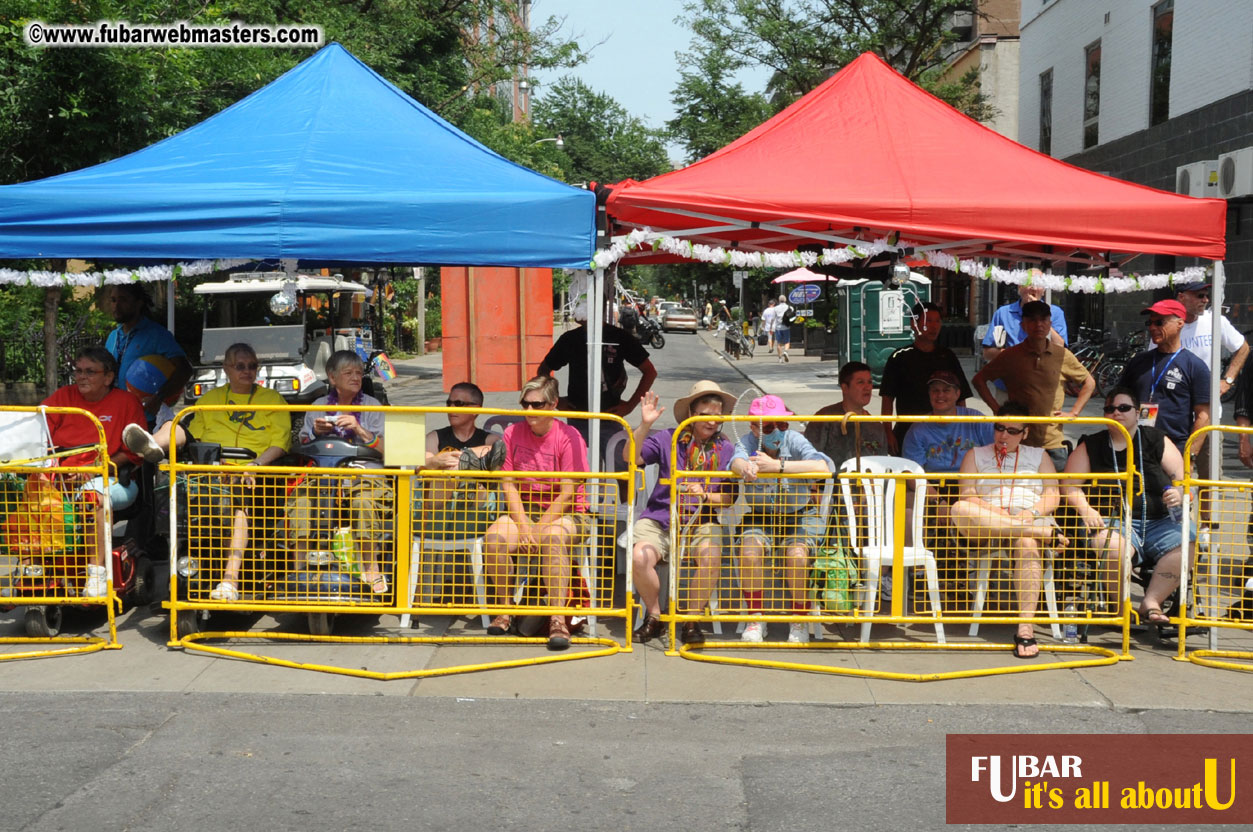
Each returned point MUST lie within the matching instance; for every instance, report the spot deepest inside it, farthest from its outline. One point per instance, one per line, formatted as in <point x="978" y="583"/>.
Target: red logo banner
<point x="1099" y="778"/>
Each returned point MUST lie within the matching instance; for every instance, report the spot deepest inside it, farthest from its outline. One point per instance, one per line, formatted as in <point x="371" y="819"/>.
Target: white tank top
<point x="1009" y="494"/>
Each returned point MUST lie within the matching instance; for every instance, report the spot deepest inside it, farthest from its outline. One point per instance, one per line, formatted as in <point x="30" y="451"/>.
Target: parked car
<point x="664" y="308"/>
<point x="679" y="318"/>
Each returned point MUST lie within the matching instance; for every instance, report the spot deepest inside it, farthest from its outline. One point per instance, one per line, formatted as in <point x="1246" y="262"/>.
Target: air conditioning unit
<point x="1235" y="173"/>
<point x="1197" y="178"/>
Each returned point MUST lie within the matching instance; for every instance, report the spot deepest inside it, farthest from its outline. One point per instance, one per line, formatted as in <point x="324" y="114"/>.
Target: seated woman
<point x="267" y="433"/>
<point x="94" y="372"/>
<point x="1156" y="537"/>
<point x="782" y="513"/>
<point x="369" y="499"/>
<point x="546" y="516"/>
<point x="1012" y="514"/>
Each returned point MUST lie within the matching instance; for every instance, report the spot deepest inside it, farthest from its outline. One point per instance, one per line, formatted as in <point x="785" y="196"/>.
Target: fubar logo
<point x="1098" y="778"/>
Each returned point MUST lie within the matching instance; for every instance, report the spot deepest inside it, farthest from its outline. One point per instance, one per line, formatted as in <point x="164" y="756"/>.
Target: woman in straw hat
<point x="701" y="447"/>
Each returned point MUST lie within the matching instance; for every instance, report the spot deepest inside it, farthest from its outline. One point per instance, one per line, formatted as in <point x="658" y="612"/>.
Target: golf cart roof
<point x="274" y="281"/>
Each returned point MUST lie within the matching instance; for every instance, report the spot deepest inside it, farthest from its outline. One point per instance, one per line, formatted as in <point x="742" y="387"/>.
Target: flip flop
<point x="1019" y="641"/>
<point x="1155" y="616"/>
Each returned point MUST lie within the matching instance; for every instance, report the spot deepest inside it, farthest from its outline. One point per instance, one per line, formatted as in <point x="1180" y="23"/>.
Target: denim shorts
<point x="1153" y="538"/>
<point x="804" y="527"/>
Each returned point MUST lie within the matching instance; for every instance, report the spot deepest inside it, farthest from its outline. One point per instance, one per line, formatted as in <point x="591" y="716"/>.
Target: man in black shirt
<point x="907" y="370"/>
<point x="619" y="349"/>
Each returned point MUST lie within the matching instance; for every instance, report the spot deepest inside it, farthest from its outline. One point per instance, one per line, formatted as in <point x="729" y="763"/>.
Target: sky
<point x="636" y="64"/>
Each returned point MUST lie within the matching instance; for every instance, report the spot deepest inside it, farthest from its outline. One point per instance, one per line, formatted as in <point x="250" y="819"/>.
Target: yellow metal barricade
<point x="1217" y="590"/>
<point x="310" y="536"/>
<point x="882" y="543"/>
<point x="55" y="524"/>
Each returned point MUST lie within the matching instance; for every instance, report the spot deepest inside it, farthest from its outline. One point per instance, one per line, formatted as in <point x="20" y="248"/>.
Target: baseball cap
<point x="1166" y="307"/>
<point x="945" y="377"/>
<point x="1195" y="286"/>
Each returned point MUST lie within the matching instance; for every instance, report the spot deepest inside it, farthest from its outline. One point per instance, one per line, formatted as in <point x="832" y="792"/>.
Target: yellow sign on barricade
<point x="56" y="525"/>
<point x="331" y="530"/>
<point x="878" y="541"/>
<point x="1217" y="589"/>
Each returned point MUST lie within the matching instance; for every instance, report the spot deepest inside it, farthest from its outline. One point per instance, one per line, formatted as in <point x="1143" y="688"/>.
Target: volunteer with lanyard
<point x="1171" y="383"/>
<point x="1154" y="527"/>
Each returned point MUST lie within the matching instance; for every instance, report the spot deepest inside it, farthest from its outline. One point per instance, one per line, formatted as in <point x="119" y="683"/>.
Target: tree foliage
<point x="63" y="109"/>
<point x="602" y="141"/>
<point x="711" y="110"/>
<point x="805" y="41"/>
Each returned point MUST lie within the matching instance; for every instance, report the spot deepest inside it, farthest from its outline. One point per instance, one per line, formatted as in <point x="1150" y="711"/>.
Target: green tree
<point x="603" y="142"/>
<point x="805" y="41"/>
<point x="712" y="111"/>
<point x="63" y="109"/>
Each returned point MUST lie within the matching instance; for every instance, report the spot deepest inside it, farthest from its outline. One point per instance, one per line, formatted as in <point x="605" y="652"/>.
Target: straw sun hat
<point x="682" y="407"/>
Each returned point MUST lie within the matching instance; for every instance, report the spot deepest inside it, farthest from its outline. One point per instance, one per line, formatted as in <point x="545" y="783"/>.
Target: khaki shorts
<point x="577" y="523"/>
<point x="1200" y="470"/>
<point x="652" y="532"/>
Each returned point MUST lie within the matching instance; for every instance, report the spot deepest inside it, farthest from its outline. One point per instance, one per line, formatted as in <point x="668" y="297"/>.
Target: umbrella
<point x="802" y="276"/>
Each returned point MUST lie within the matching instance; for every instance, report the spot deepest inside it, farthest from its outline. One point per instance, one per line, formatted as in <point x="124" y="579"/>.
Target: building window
<point x="1091" y="95"/>
<point x="1159" y="78"/>
<point x="1046" y="111"/>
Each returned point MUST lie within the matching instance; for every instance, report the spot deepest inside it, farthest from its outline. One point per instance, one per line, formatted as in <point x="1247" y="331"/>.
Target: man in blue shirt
<point x="138" y="335"/>
<point x="1005" y="328"/>
<point x="1173" y="384"/>
<point x="940" y="447"/>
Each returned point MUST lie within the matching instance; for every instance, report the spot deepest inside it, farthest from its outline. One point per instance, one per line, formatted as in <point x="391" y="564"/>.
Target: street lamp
<point x="560" y="141"/>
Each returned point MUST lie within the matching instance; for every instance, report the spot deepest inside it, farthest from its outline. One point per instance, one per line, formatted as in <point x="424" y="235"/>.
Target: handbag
<point x="832" y="579"/>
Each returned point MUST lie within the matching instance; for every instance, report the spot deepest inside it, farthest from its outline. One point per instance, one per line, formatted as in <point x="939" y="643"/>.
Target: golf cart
<point x="294" y="322"/>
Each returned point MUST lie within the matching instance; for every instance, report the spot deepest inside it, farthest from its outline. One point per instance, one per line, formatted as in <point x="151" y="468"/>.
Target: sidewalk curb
<point x="734" y="365"/>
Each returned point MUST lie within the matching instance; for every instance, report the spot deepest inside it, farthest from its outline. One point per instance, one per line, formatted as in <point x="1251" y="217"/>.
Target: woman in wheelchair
<point x="94" y="372"/>
<point x="1013" y="514"/>
<point x="1156" y="537"/>
<point x="546" y="517"/>
<point x="368" y="500"/>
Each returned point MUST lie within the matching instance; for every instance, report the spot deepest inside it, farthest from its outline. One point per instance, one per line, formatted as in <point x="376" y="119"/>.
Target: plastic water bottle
<point x="1176" y="512"/>
<point x="1070" y="630"/>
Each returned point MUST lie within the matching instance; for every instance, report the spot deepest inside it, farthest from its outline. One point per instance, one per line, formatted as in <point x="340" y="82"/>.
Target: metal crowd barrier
<point x="52" y="528"/>
<point x="1217" y="583"/>
<point x="869" y="521"/>
<point x="325" y="541"/>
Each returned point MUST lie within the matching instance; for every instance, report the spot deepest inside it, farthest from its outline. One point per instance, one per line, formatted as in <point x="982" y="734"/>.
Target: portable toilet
<point x="875" y="319"/>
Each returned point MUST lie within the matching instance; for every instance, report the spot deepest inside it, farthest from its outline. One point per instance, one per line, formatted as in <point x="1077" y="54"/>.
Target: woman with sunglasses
<point x="453" y="508"/>
<point x="1011" y="513"/>
<point x="1156" y="537"/>
<point x="782" y="515"/>
<point x="369" y="499"/>
<point x="546" y="516"/>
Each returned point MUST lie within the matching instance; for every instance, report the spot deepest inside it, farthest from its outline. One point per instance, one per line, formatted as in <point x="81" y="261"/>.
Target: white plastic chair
<point x="877" y="550"/>
<point x="498" y="423"/>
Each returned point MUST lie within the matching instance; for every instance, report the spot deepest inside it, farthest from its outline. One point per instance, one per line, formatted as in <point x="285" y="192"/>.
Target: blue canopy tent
<point x="328" y="163"/>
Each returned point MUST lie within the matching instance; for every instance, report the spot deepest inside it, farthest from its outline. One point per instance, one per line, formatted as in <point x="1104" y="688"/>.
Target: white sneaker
<point x="140" y="441"/>
<point x="97" y="586"/>
<point x="798" y="634"/>
<point x="785" y="358"/>
<point x="754" y="632"/>
<point x="224" y="591"/>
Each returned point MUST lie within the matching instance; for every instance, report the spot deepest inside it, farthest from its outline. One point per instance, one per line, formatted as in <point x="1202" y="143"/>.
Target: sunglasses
<point x="1121" y="408"/>
<point x="240" y="368"/>
<point x="460" y="403"/>
<point x="770" y="427"/>
<point x="1157" y="322"/>
<point x="531" y="404"/>
<point x="1009" y="430"/>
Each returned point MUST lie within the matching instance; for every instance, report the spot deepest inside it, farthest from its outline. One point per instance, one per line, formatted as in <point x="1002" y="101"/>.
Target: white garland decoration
<point x="145" y="274"/>
<point x="1087" y="284"/>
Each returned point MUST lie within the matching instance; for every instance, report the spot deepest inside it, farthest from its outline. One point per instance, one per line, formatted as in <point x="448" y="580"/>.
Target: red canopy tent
<point x="868" y="154"/>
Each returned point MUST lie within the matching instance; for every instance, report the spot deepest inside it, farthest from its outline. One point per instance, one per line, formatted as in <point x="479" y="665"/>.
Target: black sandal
<point x="1019" y="641"/>
<point x="692" y="633"/>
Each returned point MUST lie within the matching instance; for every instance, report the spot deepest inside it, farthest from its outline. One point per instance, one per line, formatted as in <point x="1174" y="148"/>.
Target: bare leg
<point x="796" y="576"/>
<point x="239" y="542"/>
<point x="499" y="544"/>
<point x="555" y="561"/>
<point x="1030" y="572"/>
<point x="1108" y="545"/>
<point x="708" y="555"/>
<point x="644" y="560"/>
<point x="752" y="572"/>
<point x="1166" y="577"/>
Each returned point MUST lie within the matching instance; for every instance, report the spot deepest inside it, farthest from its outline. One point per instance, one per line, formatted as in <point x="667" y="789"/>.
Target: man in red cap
<point x="1173" y="384"/>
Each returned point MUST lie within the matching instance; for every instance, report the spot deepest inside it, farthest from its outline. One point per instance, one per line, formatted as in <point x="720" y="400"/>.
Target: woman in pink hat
<point x="782" y="514"/>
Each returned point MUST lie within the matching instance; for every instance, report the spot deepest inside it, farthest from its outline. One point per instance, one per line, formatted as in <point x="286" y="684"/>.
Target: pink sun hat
<point x="768" y="406"/>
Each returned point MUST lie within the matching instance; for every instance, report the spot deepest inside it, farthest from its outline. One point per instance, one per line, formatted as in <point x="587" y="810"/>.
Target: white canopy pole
<point x="1215" y="363"/>
<point x="595" y="335"/>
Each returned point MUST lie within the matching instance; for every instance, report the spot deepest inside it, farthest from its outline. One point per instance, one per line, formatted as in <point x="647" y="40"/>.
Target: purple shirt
<point x="656" y="451"/>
